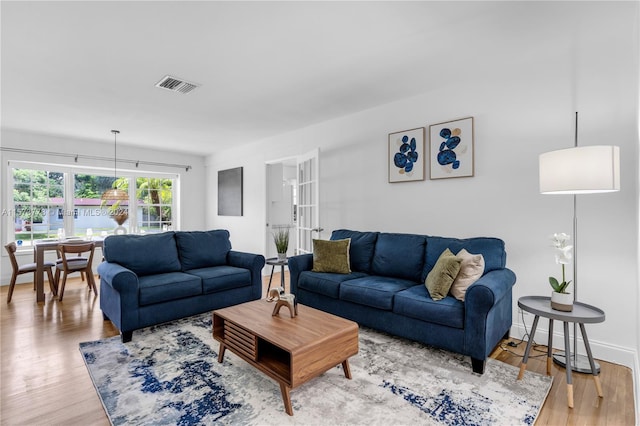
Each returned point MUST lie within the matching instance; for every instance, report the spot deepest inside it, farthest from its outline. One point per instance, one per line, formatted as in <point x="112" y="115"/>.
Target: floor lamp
<point x="579" y="170"/>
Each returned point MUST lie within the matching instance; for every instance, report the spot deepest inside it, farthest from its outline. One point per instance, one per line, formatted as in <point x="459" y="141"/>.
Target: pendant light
<point x="115" y="194"/>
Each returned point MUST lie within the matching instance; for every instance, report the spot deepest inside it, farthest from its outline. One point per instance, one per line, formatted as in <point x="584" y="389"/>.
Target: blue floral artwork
<point x="452" y="149"/>
<point x="406" y="155"/>
<point x="447" y="154"/>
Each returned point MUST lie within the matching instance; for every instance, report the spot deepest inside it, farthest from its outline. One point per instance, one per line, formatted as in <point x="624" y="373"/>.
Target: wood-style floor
<point x="44" y="380"/>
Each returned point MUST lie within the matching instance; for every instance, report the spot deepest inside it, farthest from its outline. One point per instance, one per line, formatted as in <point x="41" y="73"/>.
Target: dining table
<point x="41" y="246"/>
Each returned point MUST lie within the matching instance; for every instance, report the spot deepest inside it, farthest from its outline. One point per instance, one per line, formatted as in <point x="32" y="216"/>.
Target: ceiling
<point x="82" y="68"/>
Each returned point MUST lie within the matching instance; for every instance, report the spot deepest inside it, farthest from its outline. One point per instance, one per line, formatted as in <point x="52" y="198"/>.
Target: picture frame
<point x="451" y="149"/>
<point x="230" y="192"/>
<point x="406" y="155"/>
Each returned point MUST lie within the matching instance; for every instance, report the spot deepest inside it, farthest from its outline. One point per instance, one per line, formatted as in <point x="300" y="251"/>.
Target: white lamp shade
<point x="580" y="170"/>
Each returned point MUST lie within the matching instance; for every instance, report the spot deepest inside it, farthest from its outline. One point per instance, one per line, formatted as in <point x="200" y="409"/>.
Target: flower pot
<point x="561" y="301"/>
<point x="282" y="256"/>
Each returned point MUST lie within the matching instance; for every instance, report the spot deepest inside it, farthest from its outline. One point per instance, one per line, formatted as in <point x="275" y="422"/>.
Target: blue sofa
<point x="155" y="278"/>
<point x="385" y="291"/>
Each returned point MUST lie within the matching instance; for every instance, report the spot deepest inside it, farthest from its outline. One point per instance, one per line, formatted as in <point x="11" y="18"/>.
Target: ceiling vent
<point x="176" y="84"/>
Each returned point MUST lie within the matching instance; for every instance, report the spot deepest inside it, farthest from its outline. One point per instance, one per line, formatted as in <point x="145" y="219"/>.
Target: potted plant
<point x="561" y="300"/>
<point x="281" y="239"/>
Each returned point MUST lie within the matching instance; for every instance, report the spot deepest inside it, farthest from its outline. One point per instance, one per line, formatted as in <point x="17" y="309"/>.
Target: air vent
<point x="176" y="84"/>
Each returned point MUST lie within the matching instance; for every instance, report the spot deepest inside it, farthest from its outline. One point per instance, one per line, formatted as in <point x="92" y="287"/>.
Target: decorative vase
<point x="120" y="217"/>
<point x="561" y="301"/>
<point x="282" y="256"/>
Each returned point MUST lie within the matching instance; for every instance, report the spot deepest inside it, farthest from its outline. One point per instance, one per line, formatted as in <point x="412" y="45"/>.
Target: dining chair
<point x="71" y="264"/>
<point x="26" y="269"/>
<point x="78" y="258"/>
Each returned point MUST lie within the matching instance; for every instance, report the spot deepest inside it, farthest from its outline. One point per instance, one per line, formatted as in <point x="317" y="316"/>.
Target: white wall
<point x="191" y="197"/>
<point x="520" y="111"/>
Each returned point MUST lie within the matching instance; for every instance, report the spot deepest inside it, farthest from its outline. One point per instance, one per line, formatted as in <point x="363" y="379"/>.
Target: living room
<point x="520" y="69"/>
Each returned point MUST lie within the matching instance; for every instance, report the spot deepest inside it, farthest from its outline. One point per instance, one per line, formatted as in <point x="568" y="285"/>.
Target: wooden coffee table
<point x="289" y="350"/>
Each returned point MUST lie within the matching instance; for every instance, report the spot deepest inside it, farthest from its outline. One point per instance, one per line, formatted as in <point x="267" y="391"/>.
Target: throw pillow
<point x="441" y="277"/>
<point x="471" y="269"/>
<point x="331" y="256"/>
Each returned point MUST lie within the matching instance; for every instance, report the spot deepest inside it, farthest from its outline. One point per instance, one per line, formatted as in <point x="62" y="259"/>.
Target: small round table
<point x="274" y="261"/>
<point x="582" y="314"/>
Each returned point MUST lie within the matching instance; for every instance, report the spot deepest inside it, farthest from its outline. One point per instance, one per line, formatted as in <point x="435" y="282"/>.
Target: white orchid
<point x="563" y="251"/>
<point x="563" y="257"/>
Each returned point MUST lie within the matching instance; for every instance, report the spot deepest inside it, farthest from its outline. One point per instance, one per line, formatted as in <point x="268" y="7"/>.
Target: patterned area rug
<point x="169" y="375"/>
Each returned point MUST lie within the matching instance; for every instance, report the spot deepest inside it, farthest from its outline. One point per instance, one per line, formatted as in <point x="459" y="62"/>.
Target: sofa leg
<point x="105" y="317"/>
<point x="507" y="334"/>
<point x="127" y="336"/>
<point x="477" y="365"/>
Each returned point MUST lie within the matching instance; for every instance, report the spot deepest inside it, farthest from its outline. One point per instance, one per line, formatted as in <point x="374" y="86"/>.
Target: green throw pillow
<point x="331" y="256"/>
<point x="441" y="277"/>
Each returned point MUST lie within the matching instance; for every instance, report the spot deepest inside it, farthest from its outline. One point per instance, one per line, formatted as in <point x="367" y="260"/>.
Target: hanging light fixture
<point x="115" y="194"/>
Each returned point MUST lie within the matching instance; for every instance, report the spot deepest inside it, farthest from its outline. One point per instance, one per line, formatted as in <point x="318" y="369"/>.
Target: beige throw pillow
<point x="331" y="256"/>
<point x="441" y="277"/>
<point x="471" y="269"/>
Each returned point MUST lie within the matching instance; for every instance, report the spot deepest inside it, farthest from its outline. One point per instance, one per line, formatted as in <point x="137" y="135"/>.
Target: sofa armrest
<point x="254" y="263"/>
<point x="488" y="311"/>
<point x="119" y="296"/>
<point x="298" y="264"/>
<point x="118" y="277"/>
<point x="488" y="290"/>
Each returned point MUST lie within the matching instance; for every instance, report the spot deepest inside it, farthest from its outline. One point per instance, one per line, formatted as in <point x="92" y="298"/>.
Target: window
<point x="52" y="199"/>
<point x="155" y="199"/>
<point x="38" y="195"/>
<point x="91" y="216"/>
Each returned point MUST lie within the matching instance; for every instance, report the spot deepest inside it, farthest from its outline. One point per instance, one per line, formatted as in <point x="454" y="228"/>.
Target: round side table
<point x="274" y="261"/>
<point x="582" y="314"/>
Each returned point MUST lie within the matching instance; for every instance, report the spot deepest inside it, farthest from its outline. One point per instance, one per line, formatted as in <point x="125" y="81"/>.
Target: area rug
<point x="169" y="375"/>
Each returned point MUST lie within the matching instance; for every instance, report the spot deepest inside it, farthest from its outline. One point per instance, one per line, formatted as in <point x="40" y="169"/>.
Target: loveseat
<point x="384" y="288"/>
<point x="155" y="278"/>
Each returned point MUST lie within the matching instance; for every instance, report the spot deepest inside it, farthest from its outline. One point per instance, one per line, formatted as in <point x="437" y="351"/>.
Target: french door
<point x="308" y="209"/>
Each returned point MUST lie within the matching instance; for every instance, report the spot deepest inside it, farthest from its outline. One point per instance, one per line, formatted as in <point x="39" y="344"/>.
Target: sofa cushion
<point x="362" y="247"/>
<point x="170" y="286"/>
<point x="400" y="256"/>
<point x="326" y="284"/>
<point x="143" y="254"/>
<point x="492" y="249"/>
<point x="374" y="291"/>
<point x="331" y="256"/>
<point x="471" y="269"/>
<point x="201" y="249"/>
<point x="441" y="277"/>
<point x="220" y="278"/>
<point x="415" y="302"/>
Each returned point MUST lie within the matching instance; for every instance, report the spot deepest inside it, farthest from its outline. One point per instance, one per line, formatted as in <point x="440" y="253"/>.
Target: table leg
<point x="596" y="378"/>
<point x="567" y="351"/>
<point x="525" y="358"/>
<point x="39" y="275"/>
<point x="549" y="347"/>
<point x="221" y="352"/>
<point x="286" y="398"/>
<point x="346" y="368"/>
<point x="270" y="278"/>
<point x="282" y="276"/>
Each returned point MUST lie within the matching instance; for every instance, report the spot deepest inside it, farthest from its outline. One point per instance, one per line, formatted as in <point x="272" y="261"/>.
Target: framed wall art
<point x="451" y="149"/>
<point x="230" y="192"/>
<point x="406" y="155"/>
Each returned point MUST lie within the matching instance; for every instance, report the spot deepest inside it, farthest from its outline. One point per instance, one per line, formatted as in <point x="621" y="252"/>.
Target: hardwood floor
<point x="44" y="380"/>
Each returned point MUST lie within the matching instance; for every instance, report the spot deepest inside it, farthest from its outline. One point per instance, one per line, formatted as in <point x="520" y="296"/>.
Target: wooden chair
<point x="26" y="269"/>
<point x="71" y="264"/>
<point x="79" y="257"/>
